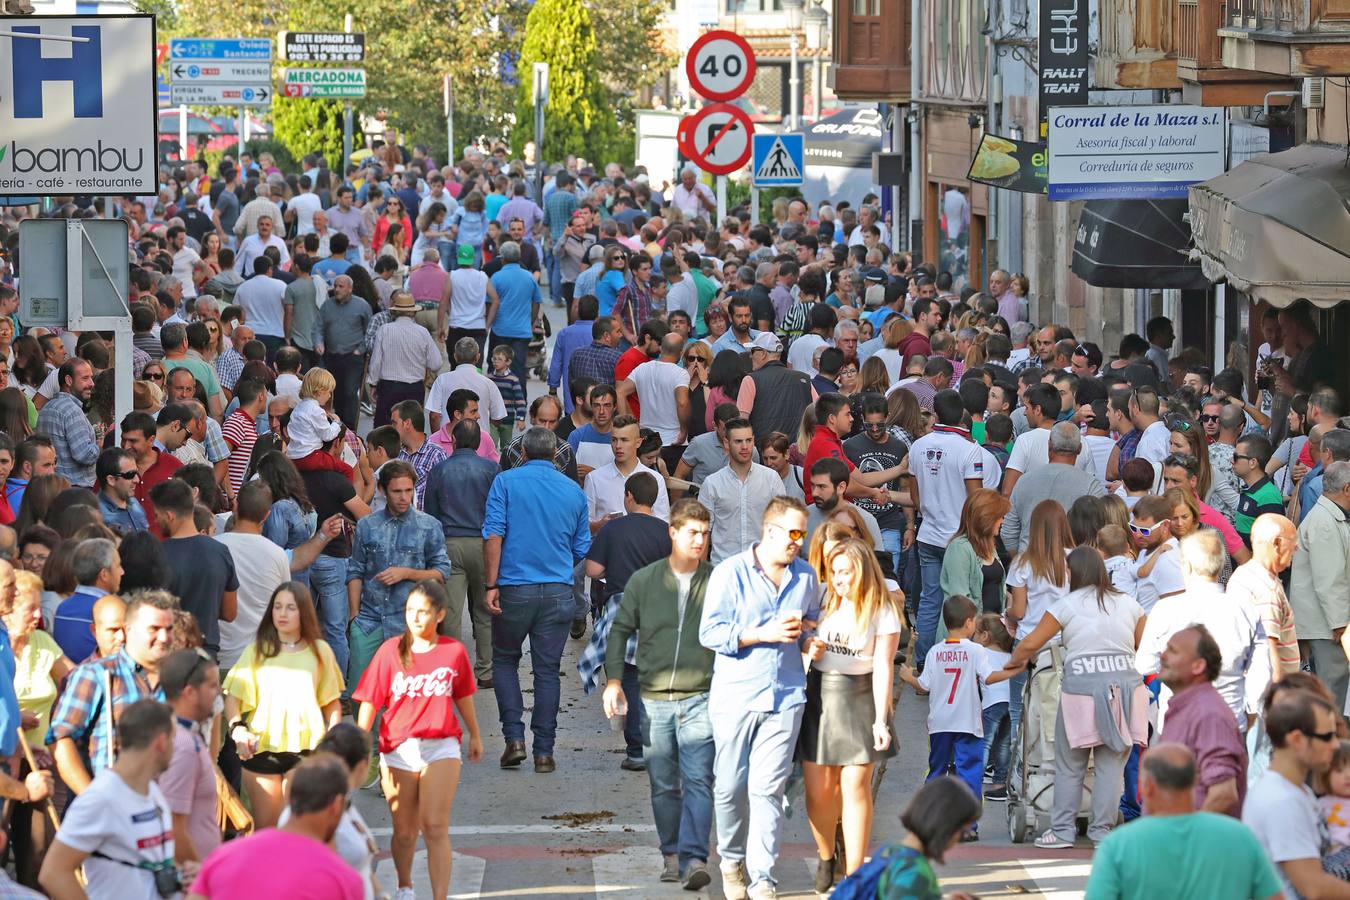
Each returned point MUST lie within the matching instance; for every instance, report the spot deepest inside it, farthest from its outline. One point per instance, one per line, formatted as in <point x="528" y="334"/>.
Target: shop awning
<point x="1277" y="227"/>
<point x="1136" y="244"/>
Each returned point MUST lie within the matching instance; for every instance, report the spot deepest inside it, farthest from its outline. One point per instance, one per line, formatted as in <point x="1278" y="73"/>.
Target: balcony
<point x="1205" y="79"/>
<point x="1293" y="38"/>
<point x="1138" y="45"/>
<point x="871" y="51"/>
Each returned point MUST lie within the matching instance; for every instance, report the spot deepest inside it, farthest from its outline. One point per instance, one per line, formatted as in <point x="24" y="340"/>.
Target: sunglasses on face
<point x="1209" y="418"/>
<point x="1147" y="530"/>
<point x="155" y="376"/>
<point x="794" y="534"/>
<point x="1325" y="737"/>
<point x="693" y="359"/>
<point x="1238" y="456"/>
<point x="874" y="426"/>
<point x="127" y="476"/>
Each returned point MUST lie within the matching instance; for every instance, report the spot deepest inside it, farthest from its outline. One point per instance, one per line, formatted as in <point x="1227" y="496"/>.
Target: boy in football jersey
<point x="952" y="674"/>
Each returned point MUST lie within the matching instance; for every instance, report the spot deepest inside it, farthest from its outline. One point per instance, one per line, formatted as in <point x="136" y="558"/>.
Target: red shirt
<point x="163" y="467"/>
<point x="630" y="360"/>
<point x="825" y="444"/>
<point x="419" y="702"/>
<point x="914" y="342"/>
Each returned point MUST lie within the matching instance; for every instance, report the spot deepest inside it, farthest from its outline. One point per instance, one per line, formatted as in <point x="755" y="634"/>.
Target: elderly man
<point x="465" y="376"/>
<point x="536" y="531"/>
<point x="338" y="335"/>
<point x="662" y="388"/>
<point x="1060" y="480"/>
<point x="252" y="247"/>
<point x="1320" y="586"/>
<point x="545" y="412"/>
<point x="1236" y="627"/>
<point x="402" y="355"/>
<point x="1000" y="288"/>
<point x="1171" y="851"/>
<point x="518" y="307"/>
<point x="691" y="197"/>
<point x="1199" y="719"/>
<point x="773" y="397"/>
<point x="1257" y="582"/>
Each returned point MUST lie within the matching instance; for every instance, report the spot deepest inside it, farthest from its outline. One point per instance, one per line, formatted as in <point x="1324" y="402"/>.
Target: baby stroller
<point x="536" y="359"/>
<point x="1031" y="769"/>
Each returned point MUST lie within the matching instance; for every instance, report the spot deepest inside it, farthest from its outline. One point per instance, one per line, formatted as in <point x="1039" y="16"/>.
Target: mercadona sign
<point x="346" y="83"/>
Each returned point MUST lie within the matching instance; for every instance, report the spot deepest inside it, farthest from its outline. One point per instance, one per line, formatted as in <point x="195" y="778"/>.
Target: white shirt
<point x="465" y="375"/>
<point x="857" y="237"/>
<point x="261" y="299"/>
<point x="305" y="206"/>
<point x="1237" y="629"/>
<point x="1100" y="446"/>
<point x="737" y="506"/>
<point x="111" y="818"/>
<point x="656" y="383"/>
<point x="1032" y="448"/>
<point x="940" y="462"/>
<point x="1041" y="594"/>
<point x="288" y="385"/>
<point x="952" y="672"/>
<point x="683" y="295"/>
<point x="1164" y="579"/>
<point x="604" y="491"/>
<point x="183" y="261"/>
<point x="468" y="299"/>
<point x="1285" y="818"/>
<point x="252" y="247"/>
<point x="995" y="694"/>
<point x="1121" y="571"/>
<point x="687" y="202"/>
<point x="846" y="651"/>
<point x="1154" y="443"/>
<point x="261" y="566"/>
<point x="802" y="353"/>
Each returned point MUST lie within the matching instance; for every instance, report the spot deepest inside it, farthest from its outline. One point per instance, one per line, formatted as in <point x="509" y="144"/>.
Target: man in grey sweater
<point x="339" y="337"/>
<point x="1060" y="480"/>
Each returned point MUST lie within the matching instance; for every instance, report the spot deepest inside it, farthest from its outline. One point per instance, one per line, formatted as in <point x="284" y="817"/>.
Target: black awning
<point x="1136" y="244"/>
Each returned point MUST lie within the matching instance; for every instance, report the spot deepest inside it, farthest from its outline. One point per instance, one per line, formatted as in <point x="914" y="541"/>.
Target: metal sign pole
<point x="721" y="197"/>
<point x="450" y="120"/>
<point x="346" y="113"/>
<point x="754" y="206"/>
<point x="120" y="325"/>
<point x="182" y="132"/>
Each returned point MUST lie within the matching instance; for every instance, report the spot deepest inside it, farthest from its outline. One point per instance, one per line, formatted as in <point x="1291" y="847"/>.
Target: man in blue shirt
<point x="518" y="308"/>
<point x="456" y="495"/>
<point x="571" y="339"/>
<point x="1333" y="446"/>
<point x="9" y="701"/>
<point x="759" y="618"/>
<point x="117" y="477"/>
<point x="537" y="529"/>
<point x="98" y="571"/>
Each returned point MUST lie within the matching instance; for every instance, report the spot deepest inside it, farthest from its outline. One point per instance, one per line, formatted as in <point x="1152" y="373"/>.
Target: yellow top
<point x="33" y="682"/>
<point x="282" y="698"/>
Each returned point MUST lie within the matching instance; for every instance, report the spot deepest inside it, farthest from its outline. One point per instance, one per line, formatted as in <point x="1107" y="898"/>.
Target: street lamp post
<point x="816" y="24"/>
<point x="793" y="8"/>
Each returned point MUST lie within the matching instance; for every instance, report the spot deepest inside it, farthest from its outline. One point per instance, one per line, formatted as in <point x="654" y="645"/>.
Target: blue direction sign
<point x="778" y="160"/>
<point x="228" y="49"/>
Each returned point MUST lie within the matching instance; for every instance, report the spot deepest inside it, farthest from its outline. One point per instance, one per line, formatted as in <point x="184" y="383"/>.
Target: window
<point x="866" y="7"/>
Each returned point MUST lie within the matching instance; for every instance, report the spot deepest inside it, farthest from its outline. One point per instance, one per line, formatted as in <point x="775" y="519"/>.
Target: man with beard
<point x="829" y="479"/>
<point x="63" y="420"/>
<point x="740" y="335"/>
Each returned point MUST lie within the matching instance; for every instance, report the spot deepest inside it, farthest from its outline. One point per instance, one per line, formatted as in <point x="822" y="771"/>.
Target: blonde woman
<point x="846" y="724"/>
<point x="281" y="697"/>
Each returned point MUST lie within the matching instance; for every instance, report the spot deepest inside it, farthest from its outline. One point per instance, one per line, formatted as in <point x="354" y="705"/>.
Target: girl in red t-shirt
<point x="418" y="680"/>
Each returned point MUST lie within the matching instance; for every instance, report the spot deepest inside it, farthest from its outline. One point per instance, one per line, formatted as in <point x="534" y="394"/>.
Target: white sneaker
<point x="1052" y="841"/>
<point x="733" y="881"/>
<point x="405" y="893"/>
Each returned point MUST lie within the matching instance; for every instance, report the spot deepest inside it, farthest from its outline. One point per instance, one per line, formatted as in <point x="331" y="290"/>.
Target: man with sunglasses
<point x="117" y="476"/>
<point x="1280" y="806"/>
<point x="1158" y="566"/>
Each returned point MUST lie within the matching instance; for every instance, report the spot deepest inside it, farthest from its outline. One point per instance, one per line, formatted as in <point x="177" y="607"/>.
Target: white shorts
<point x="415" y="754"/>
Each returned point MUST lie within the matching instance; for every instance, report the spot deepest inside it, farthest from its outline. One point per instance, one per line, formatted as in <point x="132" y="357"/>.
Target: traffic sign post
<point x="720" y="65"/>
<point x="717" y="138"/>
<point x="778" y="160"/>
<point x="220" y="71"/>
<point x="324" y="46"/>
<point x="344" y="83"/>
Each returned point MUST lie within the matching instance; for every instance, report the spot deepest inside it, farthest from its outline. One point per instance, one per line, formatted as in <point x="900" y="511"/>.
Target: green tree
<point x="580" y="118"/>
<point x="307" y="125"/>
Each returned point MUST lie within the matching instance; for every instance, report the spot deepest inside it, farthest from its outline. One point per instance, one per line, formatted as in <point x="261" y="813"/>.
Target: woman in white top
<point x="1093" y="619"/>
<point x="1037" y="577"/>
<point x="352" y="841"/>
<point x="846" y="723"/>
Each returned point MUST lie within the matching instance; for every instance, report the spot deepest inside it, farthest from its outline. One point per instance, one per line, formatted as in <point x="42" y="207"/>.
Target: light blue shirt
<point x="761" y="677"/>
<point x="9" y="701"/>
<point x="587" y="280"/>
<point x="519" y="294"/>
<point x="569" y="340"/>
<point x="541" y="517"/>
<point x="728" y="342"/>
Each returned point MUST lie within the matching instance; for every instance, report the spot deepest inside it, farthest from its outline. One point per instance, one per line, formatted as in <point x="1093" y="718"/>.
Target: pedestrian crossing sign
<point x="778" y="160"/>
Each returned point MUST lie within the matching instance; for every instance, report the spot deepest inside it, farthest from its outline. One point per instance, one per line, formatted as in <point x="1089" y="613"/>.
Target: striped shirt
<point x="241" y="433"/>
<point x="423" y="461"/>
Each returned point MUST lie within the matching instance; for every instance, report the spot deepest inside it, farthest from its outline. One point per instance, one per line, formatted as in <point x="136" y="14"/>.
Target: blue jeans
<point x="542" y="613"/>
<point x="520" y="349"/>
<point x="632" y="721"/>
<point x="678" y="743"/>
<point x="1016" y="685"/>
<point x="963" y="753"/>
<point x="890" y="542"/>
<point x="1129" y="799"/>
<point x="996" y="744"/>
<point x="328" y="583"/>
<point x="554" y="278"/>
<point x="930" y="599"/>
<point x="448" y="250"/>
<point x="753" y="758"/>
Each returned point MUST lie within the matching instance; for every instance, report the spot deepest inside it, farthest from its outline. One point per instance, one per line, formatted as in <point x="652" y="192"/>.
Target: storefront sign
<point x="1099" y="152"/>
<point x="1063" y="56"/>
<point x="1013" y="165"/>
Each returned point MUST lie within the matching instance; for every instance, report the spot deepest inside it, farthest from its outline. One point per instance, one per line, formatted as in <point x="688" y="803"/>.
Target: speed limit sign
<point x="720" y="65"/>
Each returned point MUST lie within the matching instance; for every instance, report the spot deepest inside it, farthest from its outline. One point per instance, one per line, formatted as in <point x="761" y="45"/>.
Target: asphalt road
<point x="586" y="830"/>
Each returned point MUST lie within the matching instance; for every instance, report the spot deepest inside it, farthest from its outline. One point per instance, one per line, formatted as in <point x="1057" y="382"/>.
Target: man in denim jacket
<point x="393" y="550"/>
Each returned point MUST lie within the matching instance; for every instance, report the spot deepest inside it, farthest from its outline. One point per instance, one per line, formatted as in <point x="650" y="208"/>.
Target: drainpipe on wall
<point x="916" y="159"/>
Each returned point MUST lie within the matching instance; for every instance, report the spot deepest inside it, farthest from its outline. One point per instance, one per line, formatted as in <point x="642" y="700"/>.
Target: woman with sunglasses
<point x="216" y="345"/>
<point x="1093" y="620"/>
<point x="393" y="214"/>
<point x="698" y="360"/>
<point x="417" y="683"/>
<point x="281" y="696"/>
<point x="613" y="280"/>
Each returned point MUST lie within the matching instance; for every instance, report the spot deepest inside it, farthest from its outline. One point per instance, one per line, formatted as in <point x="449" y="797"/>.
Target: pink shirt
<point x="246" y="868"/>
<point x="486" y="448"/>
<point x="426" y="282"/>
<point x="1217" y="520"/>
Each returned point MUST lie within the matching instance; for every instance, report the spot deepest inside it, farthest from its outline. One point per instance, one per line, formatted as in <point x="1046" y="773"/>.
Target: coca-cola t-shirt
<point x="419" y="702"/>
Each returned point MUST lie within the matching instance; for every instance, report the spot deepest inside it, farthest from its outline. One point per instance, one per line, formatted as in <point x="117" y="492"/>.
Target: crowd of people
<point x="778" y="467"/>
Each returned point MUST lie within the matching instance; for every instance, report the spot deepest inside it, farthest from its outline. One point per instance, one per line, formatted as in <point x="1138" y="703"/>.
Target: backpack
<point x="862" y="884"/>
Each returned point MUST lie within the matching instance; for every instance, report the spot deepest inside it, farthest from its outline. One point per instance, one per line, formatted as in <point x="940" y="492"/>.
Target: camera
<point x="167" y="882"/>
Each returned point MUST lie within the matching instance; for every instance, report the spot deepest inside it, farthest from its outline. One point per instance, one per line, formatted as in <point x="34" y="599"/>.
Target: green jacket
<point x="671" y="663"/>
<point x="963" y="576"/>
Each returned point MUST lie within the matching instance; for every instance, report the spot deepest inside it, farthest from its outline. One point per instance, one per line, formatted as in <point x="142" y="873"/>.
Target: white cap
<point x="768" y="341"/>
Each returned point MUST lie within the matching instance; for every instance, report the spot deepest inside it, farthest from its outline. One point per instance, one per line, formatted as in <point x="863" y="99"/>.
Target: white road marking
<point x="635" y="872"/>
<point x="475" y="830"/>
